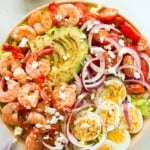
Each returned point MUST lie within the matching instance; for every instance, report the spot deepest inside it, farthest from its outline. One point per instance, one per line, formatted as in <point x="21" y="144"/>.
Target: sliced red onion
<point x="147" y="59"/>
<point x="89" y="24"/>
<point x="99" y="70"/>
<point x="80" y="98"/>
<point x="133" y="67"/>
<point x="96" y="84"/>
<point x="133" y="53"/>
<point x="10" y="143"/>
<point x="114" y="43"/>
<point x="126" y="112"/>
<point x="78" y="83"/>
<point x="49" y="147"/>
<point x="96" y="80"/>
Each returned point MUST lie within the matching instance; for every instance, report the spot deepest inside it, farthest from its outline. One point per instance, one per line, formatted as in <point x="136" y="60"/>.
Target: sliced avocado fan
<point x="70" y="50"/>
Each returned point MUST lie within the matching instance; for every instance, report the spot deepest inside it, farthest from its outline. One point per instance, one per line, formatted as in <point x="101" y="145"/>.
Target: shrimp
<point x="41" y="21"/>
<point x="21" y="32"/>
<point x="36" y="118"/>
<point x="69" y="15"/>
<point x="20" y="75"/>
<point x="33" y="141"/>
<point x="10" y="113"/>
<point x="63" y="96"/>
<point x="28" y="95"/>
<point x="38" y="68"/>
<point x="10" y="94"/>
<point x="7" y="65"/>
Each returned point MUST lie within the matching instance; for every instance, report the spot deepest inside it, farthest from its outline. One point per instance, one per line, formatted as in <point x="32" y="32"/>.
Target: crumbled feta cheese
<point x="111" y="54"/>
<point x="23" y="42"/>
<point x="108" y="47"/>
<point x="50" y="110"/>
<point x="83" y="36"/>
<point x="54" y="68"/>
<point x="96" y="49"/>
<point x="85" y="126"/>
<point x="38" y="125"/>
<point x="61" y="118"/>
<point x="62" y="95"/>
<point x="112" y="70"/>
<point x="58" y="17"/>
<point x="7" y="78"/>
<point x="46" y="137"/>
<point x="18" y="131"/>
<point x="101" y="39"/>
<point x="137" y="75"/>
<point x="57" y="114"/>
<point x="107" y="28"/>
<point x="121" y="75"/>
<point x="18" y="72"/>
<point x="109" y="60"/>
<point x="54" y="120"/>
<point x="121" y="42"/>
<point x="35" y="64"/>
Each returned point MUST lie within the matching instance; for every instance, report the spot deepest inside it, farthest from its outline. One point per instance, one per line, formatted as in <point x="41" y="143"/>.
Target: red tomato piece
<point x="130" y="32"/>
<point x="135" y="88"/>
<point x="108" y="14"/>
<point x="53" y="8"/>
<point x="144" y="68"/>
<point x="128" y="60"/>
<point x="118" y="21"/>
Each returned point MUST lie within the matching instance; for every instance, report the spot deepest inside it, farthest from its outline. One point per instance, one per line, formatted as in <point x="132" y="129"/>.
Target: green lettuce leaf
<point x="143" y="105"/>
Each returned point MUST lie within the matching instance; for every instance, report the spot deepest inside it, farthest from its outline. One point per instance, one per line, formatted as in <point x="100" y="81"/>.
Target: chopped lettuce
<point x="143" y="105"/>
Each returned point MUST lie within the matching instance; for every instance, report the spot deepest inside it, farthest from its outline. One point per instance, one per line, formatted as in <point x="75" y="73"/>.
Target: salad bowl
<point x="77" y="75"/>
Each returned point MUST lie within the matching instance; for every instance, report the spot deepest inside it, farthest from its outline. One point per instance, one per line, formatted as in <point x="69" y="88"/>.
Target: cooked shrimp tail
<point x="16" y="51"/>
<point x="46" y="51"/>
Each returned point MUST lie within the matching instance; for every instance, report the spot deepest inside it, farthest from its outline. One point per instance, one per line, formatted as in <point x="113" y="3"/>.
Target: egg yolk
<point x="105" y="147"/>
<point x="117" y="135"/>
<point x="134" y="120"/>
<point x="114" y="92"/>
<point x="86" y="129"/>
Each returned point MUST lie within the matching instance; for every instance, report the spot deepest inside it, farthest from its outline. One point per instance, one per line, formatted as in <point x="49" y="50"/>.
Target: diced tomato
<point x="144" y="68"/>
<point x="135" y="88"/>
<point x="53" y="8"/>
<point x="16" y="51"/>
<point x="108" y="14"/>
<point x="118" y="21"/>
<point x="128" y="60"/>
<point x="130" y="32"/>
<point x="147" y="51"/>
<point x="82" y="8"/>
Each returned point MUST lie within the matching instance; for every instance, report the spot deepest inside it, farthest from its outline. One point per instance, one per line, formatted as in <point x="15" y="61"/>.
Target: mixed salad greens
<point x="75" y="76"/>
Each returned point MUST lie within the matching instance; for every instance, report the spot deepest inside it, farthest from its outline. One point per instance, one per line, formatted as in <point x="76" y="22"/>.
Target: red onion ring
<point x="126" y="112"/>
<point x="147" y="59"/>
<point x="135" y="68"/>
<point x="96" y="80"/>
<point x="133" y="53"/>
<point x="90" y="23"/>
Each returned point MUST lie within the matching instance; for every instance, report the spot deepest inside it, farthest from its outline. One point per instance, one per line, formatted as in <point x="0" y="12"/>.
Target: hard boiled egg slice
<point x="110" y="114"/>
<point x="135" y="119"/>
<point x="120" y="139"/>
<point x="87" y="126"/>
<point x="108" y="145"/>
<point x="113" y="90"/>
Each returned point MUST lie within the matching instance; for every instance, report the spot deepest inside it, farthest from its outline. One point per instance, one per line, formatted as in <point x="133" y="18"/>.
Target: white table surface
<point x="138" y="11"/>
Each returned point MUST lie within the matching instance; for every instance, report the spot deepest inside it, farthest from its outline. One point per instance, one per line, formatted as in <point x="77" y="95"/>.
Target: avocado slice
<point x="70" y="50"/>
